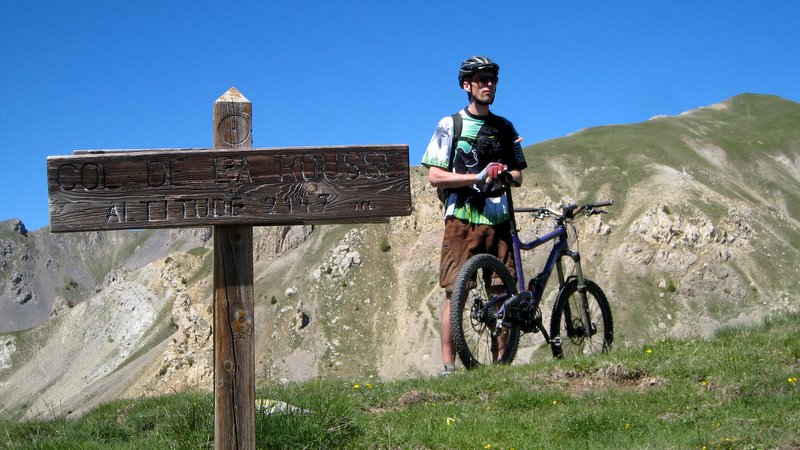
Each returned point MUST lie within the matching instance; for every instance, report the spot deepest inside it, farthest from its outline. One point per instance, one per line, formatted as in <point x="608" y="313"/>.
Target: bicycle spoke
<point x="570" y="334"/>
<point x="585" y="341"/>
<point x="478" y="325"/>
<point x="477" y="297"/>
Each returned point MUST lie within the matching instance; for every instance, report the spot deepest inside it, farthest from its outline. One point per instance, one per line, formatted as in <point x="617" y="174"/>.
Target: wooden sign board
<point x="117" y="189"/>
<point x="230" y="187"/>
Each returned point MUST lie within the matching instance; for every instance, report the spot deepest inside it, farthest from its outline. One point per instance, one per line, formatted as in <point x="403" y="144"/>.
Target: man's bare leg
<point x="446" y="335"/>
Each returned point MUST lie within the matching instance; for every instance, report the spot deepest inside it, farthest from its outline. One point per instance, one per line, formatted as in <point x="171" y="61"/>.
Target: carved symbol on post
<point x="235" y="128"/>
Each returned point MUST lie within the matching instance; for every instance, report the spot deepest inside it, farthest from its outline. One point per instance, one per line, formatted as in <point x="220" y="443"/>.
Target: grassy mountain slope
<point x="707" y="226"/>
<point x="738" y="389"/>
<point x="703" y="233"/>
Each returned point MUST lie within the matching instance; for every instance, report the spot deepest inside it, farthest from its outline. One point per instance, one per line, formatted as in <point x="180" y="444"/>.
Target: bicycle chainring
<point x="530" y="319"/>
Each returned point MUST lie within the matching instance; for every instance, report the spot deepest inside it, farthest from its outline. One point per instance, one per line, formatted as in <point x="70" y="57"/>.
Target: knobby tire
<point x="566" y="322"/>
<point x="472" y="335"/>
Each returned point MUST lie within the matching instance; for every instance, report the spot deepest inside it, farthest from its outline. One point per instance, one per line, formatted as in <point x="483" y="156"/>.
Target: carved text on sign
<point x="141" y="189"/>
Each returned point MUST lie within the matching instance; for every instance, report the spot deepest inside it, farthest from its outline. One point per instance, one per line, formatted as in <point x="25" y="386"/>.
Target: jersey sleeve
<point x="438" y="152"/>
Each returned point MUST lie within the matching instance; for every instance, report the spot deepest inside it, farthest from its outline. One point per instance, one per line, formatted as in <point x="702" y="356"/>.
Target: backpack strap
<point x="457" y="126"/>
<point x="441" y="192"/>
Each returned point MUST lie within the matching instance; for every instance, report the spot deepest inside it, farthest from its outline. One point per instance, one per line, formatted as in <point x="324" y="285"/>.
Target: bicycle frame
<point x="560" y="249"/>
<point x="512" y="312"/>
<point x="531" y="295"/>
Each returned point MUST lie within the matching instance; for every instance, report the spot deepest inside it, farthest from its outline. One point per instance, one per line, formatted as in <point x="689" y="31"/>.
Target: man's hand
<point x="490" y="172"/>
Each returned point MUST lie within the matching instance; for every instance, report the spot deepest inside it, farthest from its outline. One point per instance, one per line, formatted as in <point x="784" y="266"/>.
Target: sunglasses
<point x="484" y="79"/>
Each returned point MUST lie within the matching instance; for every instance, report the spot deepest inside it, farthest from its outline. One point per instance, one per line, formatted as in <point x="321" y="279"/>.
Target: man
<point x="476" y="211"/>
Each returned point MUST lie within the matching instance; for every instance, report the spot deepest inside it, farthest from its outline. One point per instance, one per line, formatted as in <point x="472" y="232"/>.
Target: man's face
<point x="483" y="86"/>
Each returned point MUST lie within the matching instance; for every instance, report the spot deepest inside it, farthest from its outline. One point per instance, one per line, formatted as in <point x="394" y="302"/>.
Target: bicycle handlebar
<point x="567" y="211"/>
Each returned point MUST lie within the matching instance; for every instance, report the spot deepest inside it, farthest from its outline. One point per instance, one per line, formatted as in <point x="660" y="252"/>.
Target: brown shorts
<point x="462" y="240"/>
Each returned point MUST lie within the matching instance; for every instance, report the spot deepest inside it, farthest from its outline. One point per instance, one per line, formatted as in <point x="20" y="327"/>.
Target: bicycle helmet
<point x="474" y="65"/>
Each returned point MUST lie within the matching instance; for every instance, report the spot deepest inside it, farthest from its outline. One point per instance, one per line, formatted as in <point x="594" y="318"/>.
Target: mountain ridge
<point x="703" y="233"/>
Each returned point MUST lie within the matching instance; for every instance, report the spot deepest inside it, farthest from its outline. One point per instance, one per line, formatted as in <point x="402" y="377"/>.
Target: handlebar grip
<point x="603" y="203"/>
<point x="506" y="179"/>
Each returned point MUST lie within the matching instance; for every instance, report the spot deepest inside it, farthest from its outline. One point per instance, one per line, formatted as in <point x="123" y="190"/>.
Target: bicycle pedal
<point x="497" y="331"/>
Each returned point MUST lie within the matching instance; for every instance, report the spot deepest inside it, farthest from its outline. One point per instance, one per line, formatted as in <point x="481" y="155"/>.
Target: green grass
<point x="739" y="390"/>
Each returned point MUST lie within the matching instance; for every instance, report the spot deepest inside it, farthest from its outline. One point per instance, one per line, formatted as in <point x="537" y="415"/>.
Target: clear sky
<point x="114" y="74"/>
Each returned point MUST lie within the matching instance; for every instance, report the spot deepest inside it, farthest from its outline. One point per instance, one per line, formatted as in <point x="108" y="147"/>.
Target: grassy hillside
<point x="707" y="223"/>
<point x="739" y="389"/>
<point x="704" y="233"/>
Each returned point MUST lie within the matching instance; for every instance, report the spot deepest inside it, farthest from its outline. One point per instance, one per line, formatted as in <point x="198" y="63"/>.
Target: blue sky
<point x="116" y="74"/>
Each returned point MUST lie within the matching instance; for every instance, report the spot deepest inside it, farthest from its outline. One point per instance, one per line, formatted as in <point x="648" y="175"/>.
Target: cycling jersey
<point x="483" y="139"/>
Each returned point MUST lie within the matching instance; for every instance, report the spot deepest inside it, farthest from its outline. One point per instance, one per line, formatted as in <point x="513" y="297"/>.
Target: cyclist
<point x="476" y="209"/>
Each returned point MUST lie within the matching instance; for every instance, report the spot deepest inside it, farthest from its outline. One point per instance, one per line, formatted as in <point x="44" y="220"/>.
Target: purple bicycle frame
<point x="560" y="234"/>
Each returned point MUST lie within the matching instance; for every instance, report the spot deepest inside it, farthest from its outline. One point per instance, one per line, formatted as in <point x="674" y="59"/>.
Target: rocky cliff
<point x="703" y="234"/>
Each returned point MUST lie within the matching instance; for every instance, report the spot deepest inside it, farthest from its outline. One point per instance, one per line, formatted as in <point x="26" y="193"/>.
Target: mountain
<point x="703" y="233"/>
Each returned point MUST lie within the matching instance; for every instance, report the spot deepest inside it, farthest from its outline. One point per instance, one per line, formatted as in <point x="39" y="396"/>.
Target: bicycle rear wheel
<point x="473" y="320"/>
<point x="568" y="335"/>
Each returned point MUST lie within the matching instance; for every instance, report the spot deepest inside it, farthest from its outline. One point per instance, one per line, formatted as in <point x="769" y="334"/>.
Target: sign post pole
<point x="234" y="347"/>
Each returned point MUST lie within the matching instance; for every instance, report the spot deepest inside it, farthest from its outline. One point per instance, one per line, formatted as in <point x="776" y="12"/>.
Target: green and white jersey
<point x="483" y="139"/>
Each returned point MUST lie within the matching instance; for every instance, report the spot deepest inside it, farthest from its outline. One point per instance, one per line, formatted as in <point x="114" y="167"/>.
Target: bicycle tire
<point x="472" y="335"/>
<point x="567" y="336"/>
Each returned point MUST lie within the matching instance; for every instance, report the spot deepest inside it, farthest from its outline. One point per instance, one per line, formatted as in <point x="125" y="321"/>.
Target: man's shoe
<point x="447" y="370"/>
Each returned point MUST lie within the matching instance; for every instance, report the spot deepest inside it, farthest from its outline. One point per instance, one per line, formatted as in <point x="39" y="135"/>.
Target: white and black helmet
<point x="474" y="65"/>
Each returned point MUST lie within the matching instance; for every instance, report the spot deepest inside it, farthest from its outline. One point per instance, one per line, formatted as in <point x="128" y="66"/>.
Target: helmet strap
<point x="472" y="98"/>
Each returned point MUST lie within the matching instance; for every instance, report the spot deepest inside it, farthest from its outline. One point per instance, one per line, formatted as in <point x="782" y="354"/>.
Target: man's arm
<point x="439" y="177"/>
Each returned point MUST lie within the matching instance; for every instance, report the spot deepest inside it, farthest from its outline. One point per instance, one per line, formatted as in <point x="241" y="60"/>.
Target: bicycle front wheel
<point x="569" y="334"/>
<point x="473" y="318"/>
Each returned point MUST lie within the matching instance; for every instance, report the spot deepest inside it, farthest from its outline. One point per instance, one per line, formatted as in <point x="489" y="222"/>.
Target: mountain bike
<point x="491" y="310"/>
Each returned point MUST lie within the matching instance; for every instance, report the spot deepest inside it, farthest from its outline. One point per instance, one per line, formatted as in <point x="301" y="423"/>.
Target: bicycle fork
<point x="588" y="328"/>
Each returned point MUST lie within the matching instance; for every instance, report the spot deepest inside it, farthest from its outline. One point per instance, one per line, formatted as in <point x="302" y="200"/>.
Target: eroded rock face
<point x="272" y="242"/>
<point x="7" y="349"/>
<point x="186" y="362"/>
<point x="342" y="257"/>
<point x="691" y="249"/>
<point x="662" y="228"/>
<point x="676" y="255"/>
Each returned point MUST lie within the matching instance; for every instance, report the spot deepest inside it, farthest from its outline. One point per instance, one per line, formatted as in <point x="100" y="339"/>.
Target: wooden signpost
<point x="231" y="187"/>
